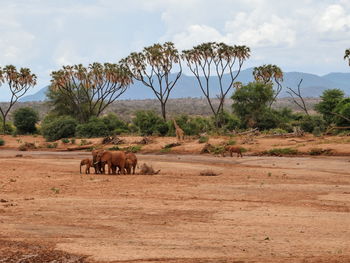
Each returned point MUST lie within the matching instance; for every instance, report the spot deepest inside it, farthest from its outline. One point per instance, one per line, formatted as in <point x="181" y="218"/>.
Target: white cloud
<point x="309" y="35"/>
<point x="255" y="32"/>
<point x="196" y="34"/>
<point x="335" y="18"/>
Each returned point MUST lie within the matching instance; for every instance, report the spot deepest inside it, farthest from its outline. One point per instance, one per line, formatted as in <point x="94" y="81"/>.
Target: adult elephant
<point x="113" y="159"/>
<point x="99" y="166"/>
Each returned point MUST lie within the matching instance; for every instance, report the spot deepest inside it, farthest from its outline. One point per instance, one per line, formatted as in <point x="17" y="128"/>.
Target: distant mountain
<point x="38" y="96"/>
<point x="312" y="86"/>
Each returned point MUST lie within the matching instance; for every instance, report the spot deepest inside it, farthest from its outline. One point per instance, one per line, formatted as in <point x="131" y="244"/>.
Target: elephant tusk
<point x="96" y="163"/>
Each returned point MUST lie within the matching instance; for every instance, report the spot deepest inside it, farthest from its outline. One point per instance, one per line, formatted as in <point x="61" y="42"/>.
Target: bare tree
<point x="301" y="104"/>
<point x="269" y="74"/>
<point x="220" y="59"/>
<point x="91" y="90"/>
<point x="18" y="82"/>
<point x="153" y="67"/>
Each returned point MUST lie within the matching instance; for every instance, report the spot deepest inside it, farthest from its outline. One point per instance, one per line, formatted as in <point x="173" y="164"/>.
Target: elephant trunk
<point x="80" y="168"/>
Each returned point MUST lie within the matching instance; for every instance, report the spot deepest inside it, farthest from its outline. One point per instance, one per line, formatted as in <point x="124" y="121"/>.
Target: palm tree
<point x="153" y="67"/>
<point x="218" y="58"/>
<point x="18" y="82"/>
<point x="268" y="74"/>
<point x="88" y="91"/>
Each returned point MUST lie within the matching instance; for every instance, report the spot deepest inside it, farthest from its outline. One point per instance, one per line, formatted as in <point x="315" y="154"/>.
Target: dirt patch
<point x="14" y="251"/>
<point x="260" y="209"/>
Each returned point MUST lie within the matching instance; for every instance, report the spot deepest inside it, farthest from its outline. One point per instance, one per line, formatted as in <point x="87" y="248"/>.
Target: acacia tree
<point x="89" y="91"/>
<point x="269" y="74"/>
<point x="220" y="59"/>
<point x="18" y="82"/>
<point x="153" y="68"/>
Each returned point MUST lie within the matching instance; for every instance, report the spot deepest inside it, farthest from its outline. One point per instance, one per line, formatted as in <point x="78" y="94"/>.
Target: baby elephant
<point x="130" y="162"/>
<point x="232" y="149"/>
<point x="88" y="163"/>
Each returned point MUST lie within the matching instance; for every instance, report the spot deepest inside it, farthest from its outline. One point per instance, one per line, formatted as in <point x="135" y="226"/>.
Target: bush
<point x="203" y="139"/>
<point x="277" y="131"/>
<point x="95" y="127"/>
<point x="231" y="142"/>
<point x="2" y="142"/>
<point x="309" y="122"/>
<point x="319" y="151"/>
<point x="58" y="128"/>
<point x="133" y="149"/>
<point x="114" y="124"/>
<point x="25" y="120"/>
<point x="65" y="140"/>
<point x="114" y="148"/>
<point x="85" y="142"/>
<point x="281" y="151"/>
<point x="9" y="128"/>
<point x="191" y="125"/>
<point x="149" y="123"/>
<point x="317" y="131"/>
<point x="52" y="145"/>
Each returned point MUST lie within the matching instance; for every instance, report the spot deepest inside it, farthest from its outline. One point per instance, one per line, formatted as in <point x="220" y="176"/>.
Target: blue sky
<point x="299" y="35"/>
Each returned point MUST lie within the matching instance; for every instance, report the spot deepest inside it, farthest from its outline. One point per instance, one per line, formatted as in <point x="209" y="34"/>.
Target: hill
<point x="312" y="86"/>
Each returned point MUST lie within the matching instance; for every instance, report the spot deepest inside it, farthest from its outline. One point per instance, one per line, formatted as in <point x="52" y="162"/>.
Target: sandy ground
<point x="257" y="209"/>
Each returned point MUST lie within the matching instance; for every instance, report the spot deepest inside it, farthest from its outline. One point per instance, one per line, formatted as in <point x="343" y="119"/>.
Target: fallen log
<point x="78" y="148"/>
<point x="255" y="131"/>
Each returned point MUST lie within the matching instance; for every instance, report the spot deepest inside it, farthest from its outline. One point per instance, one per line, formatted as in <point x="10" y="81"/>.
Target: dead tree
<point x="297" y="93"/>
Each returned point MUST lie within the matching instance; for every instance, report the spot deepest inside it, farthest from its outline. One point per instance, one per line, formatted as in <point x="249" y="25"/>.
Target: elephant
<point x="88" y="163"/>
<point x="113" y="159"/>
<point x="233" y="149"/>
<point x="131" y="162"/>
<point x="99" y="166"/>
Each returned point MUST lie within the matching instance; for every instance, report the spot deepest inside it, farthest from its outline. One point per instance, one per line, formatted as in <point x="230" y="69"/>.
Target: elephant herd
<point x="124" y="162"/>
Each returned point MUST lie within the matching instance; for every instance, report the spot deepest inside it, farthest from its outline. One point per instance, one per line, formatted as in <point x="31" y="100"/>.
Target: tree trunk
<point x="163" y="110"/>
<point x="4" y="125"/>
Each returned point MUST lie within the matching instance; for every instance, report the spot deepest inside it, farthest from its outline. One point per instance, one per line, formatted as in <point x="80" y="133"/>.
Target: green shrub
<point x="171" y="145"/>
<point x="149" y="123"/>
<point x="114" y="148"/>
<point x="57" y="128"/>
<point x="317" y="131"/>
<point x="218" y="149"/>
<point x="114" y="124"/>
<point x="65" y="140"/>
<point x="133" y="149"/>
<point x="95" y="127"/>
<point x="25" y="120"/>
<point x="9" y="128"/>
<point x="203" y="139"/>
<point x="165" y="150"/>
<point x="52" y="145"/>
<point x="309" y="122"/>
<point x="2" y="142"/>
<point x="72" y="141"/>
<point x="191" y="125"/>
<point x="231" y="142"/>
<point x="281" y="151"/>
<point x="277" y="131"/>
<point x="319" y="151"/>
<point x="84" y="142"/>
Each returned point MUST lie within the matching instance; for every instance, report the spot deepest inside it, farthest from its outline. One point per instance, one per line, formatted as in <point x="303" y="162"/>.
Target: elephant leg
<point x="109" y="167"/>
<point x="102" y="168"/>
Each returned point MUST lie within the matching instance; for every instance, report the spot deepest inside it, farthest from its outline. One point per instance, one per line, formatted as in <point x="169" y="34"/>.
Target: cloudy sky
<point x="298" y="35"/>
